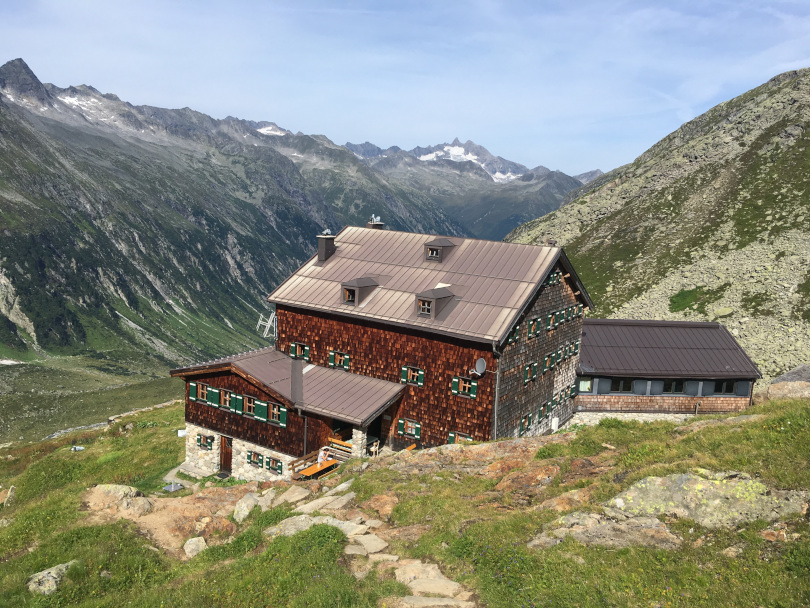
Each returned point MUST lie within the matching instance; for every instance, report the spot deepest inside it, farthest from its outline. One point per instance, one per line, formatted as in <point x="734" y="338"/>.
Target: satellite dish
<point x="480" y="366"/>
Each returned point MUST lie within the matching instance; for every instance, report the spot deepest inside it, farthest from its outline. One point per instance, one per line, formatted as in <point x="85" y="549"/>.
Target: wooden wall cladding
<point x="516" y="399"/>
<point x="660" y="404"/>
<point x="380" y="351"/>
<point x="289" y="440"/>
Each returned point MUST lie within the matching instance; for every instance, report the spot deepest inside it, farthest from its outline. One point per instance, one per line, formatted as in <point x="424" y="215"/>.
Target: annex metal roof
<point x="662" y="349"/>
<point x="491" y="281"/>
<point x="331" y="392"/>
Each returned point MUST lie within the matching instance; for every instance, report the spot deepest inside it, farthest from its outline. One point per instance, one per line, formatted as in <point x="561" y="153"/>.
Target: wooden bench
<point x="318" y="468"/>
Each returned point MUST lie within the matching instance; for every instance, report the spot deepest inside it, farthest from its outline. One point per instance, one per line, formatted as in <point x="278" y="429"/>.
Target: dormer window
<point x="436" y="249"/>
<point x="355" y="292"/>
<point x="425" y="307"/>
<point x="431" y="302"/>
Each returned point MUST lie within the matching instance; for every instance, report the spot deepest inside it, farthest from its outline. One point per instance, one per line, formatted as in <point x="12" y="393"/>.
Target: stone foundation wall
<point x="358" y="443"/>
<point x="659" y="404"/>
<point x="241" y="469"/>
<point x="593" y="418"/>
<point x="202" y="460"/>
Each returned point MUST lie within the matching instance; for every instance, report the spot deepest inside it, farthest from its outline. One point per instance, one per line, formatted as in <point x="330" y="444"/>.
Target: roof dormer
<point x="431" y="302"/>
<point x="436" y="249"/>
<point x="355" y="291"/>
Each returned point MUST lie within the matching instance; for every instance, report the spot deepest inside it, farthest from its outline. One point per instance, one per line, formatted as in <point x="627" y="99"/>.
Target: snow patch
<point x="271" y="130"/>
<point x="454" y="153"/>
<point x="10" y="362"/>
<point x="508" y="177"/>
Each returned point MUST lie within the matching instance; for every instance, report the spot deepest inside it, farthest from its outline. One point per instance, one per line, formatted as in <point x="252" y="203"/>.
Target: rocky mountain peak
<point x="17" y="80"/>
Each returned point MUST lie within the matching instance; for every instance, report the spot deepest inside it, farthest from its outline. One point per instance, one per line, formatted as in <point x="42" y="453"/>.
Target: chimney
<point x="551" y="242"/>
<point x="326" y="246"/>
<point x="297" y="381"/>
<point x="374" y="222"/>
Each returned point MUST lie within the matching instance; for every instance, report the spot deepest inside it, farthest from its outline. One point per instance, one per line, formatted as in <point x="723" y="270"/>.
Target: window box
<point x="464" y="387"/>
<point x="255" y="459"/>
<point x="274" y="465"/>
<point x="412" y="375"/>
<point x="409" y="428"/>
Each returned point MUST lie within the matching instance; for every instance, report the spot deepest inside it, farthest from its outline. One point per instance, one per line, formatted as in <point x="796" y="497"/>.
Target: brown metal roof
<point x="491" y="281"/>
<point x="331" y="392"/>
<point x="662" y="349"/>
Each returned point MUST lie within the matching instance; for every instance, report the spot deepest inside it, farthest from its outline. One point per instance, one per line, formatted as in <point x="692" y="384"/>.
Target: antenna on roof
<point x="269" y="325"/>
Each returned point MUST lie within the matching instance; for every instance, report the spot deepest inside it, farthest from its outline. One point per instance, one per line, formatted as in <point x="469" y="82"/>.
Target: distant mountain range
<point x="711" y="223"/>
<point x="487" y="194"/>
<point x="150" y="230"/>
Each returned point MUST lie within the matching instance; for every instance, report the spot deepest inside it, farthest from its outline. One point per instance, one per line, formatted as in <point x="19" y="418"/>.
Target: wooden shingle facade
<point x="464" y="339"/>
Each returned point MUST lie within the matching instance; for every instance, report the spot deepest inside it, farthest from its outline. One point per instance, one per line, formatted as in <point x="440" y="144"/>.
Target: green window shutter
<point x="282" y="416"/>
<point x="213" y="396"/>
<point x="451" y="438"/>
<point x="526" y="371"/>
<point x="199" y="440"/>
<point x="454" y="386"/>
<point x="549" y="321"/>
<point x="534" y="370"/>
<point x="420" y="381"/>
<point x="559" y="355"/>
<point x="473" y="388"/>
<point x="545" y="364"/>
<point x="529" y="421"/>
<point x="260" y="410"/>
<point x="306" y="353"/>
<point x="249" y="457"/>
<point x="234" y="403"/>
<point x="209" y="441"/>
<point x="269" y="463"/>
<point x="576" y="346"/>
<point x="404" y="376"/>
<point x="346" y="362"/>
<point x="192" y="391"/>
<point x="517" y="332"/>
<point x="520" y="430"/>
<point x="331" y="358"/>
<point x="292" y="350"/>
<point x="417" y="430"/>
<point x="279" y="467"/>
<point x="261" y="461"/>
<point x="400" y="427"/>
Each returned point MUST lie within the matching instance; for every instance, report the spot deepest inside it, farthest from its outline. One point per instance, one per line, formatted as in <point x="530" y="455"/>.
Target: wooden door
<point x="225" y="454"/>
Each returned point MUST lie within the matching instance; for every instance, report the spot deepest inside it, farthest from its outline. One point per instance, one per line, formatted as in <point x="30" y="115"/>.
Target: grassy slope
<point x="476" y="540"/>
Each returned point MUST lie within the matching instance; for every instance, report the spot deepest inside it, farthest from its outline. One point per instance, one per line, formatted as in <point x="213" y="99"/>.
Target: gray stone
<point x="373" y="523"/>
<point x="292" y="495"/>
<point x="12" y="494"/>
<point x="418" y="601"/>
<point x="290" y="526"/>
<point x="355" y="550"/>
<point x="413" y="570"/>
<point x="372" y="542"/>
<point x="47" y="581"/>
<point x="341" y="501"/>
<point x="139" y="505"/>
<point x="340" y="488"/>
<point x="383" y="557"/>
<point x="596" y="529"/>
<point x="348" y="528"/>
<point x="244" y="507"/>
<point x="434" y="586"/>
<point x="712" y="500"/>
<point x="265" y="501"/>
<point x="117" y="492"/>
<point x="194" y="546"/>
<point x="315" y="505"/>
<point x="5" y="523"/>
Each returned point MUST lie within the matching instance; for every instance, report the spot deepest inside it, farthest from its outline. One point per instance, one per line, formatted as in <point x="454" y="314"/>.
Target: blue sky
<point x="571" y="85"/>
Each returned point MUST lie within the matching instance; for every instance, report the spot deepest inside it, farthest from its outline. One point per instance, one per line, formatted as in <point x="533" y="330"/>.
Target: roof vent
<point x="374" y="222"/>
<point x="436" y="249"/>
<point x="551" y="242"/>
<point x="326" y="245"/>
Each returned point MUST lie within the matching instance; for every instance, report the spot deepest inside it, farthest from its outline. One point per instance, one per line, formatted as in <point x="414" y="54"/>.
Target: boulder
<point x="116" y="493"/>
<point x="568" y="500"/>
<point x="532" y="478"/>
<point x="244" y="507"/>
<point x="138" y="505"/>
<point x="194" y="546"/>
<point x="48" y="581"/>
<point x="10" y="496"/>
<point x="371" y="542"/>
<point x="293" y="495"/>
<point x="290" y="526"/>
<point x="340" y="488"/>
<point x="341" y="501"/>
<point x="382" y="504"/>
<point x="598" y="529"/>
<point x="355" y="550"/>
<point x="713" y="500"/>
<point x="265" y="501"/>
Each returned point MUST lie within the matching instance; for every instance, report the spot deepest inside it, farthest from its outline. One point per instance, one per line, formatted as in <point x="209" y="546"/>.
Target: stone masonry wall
<point x="204" y="461"/>
<point x="593" y="418"/>
<point x="517" y="399"/>
<point x="660" y="404"/>
<point x="249" y="472"/>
